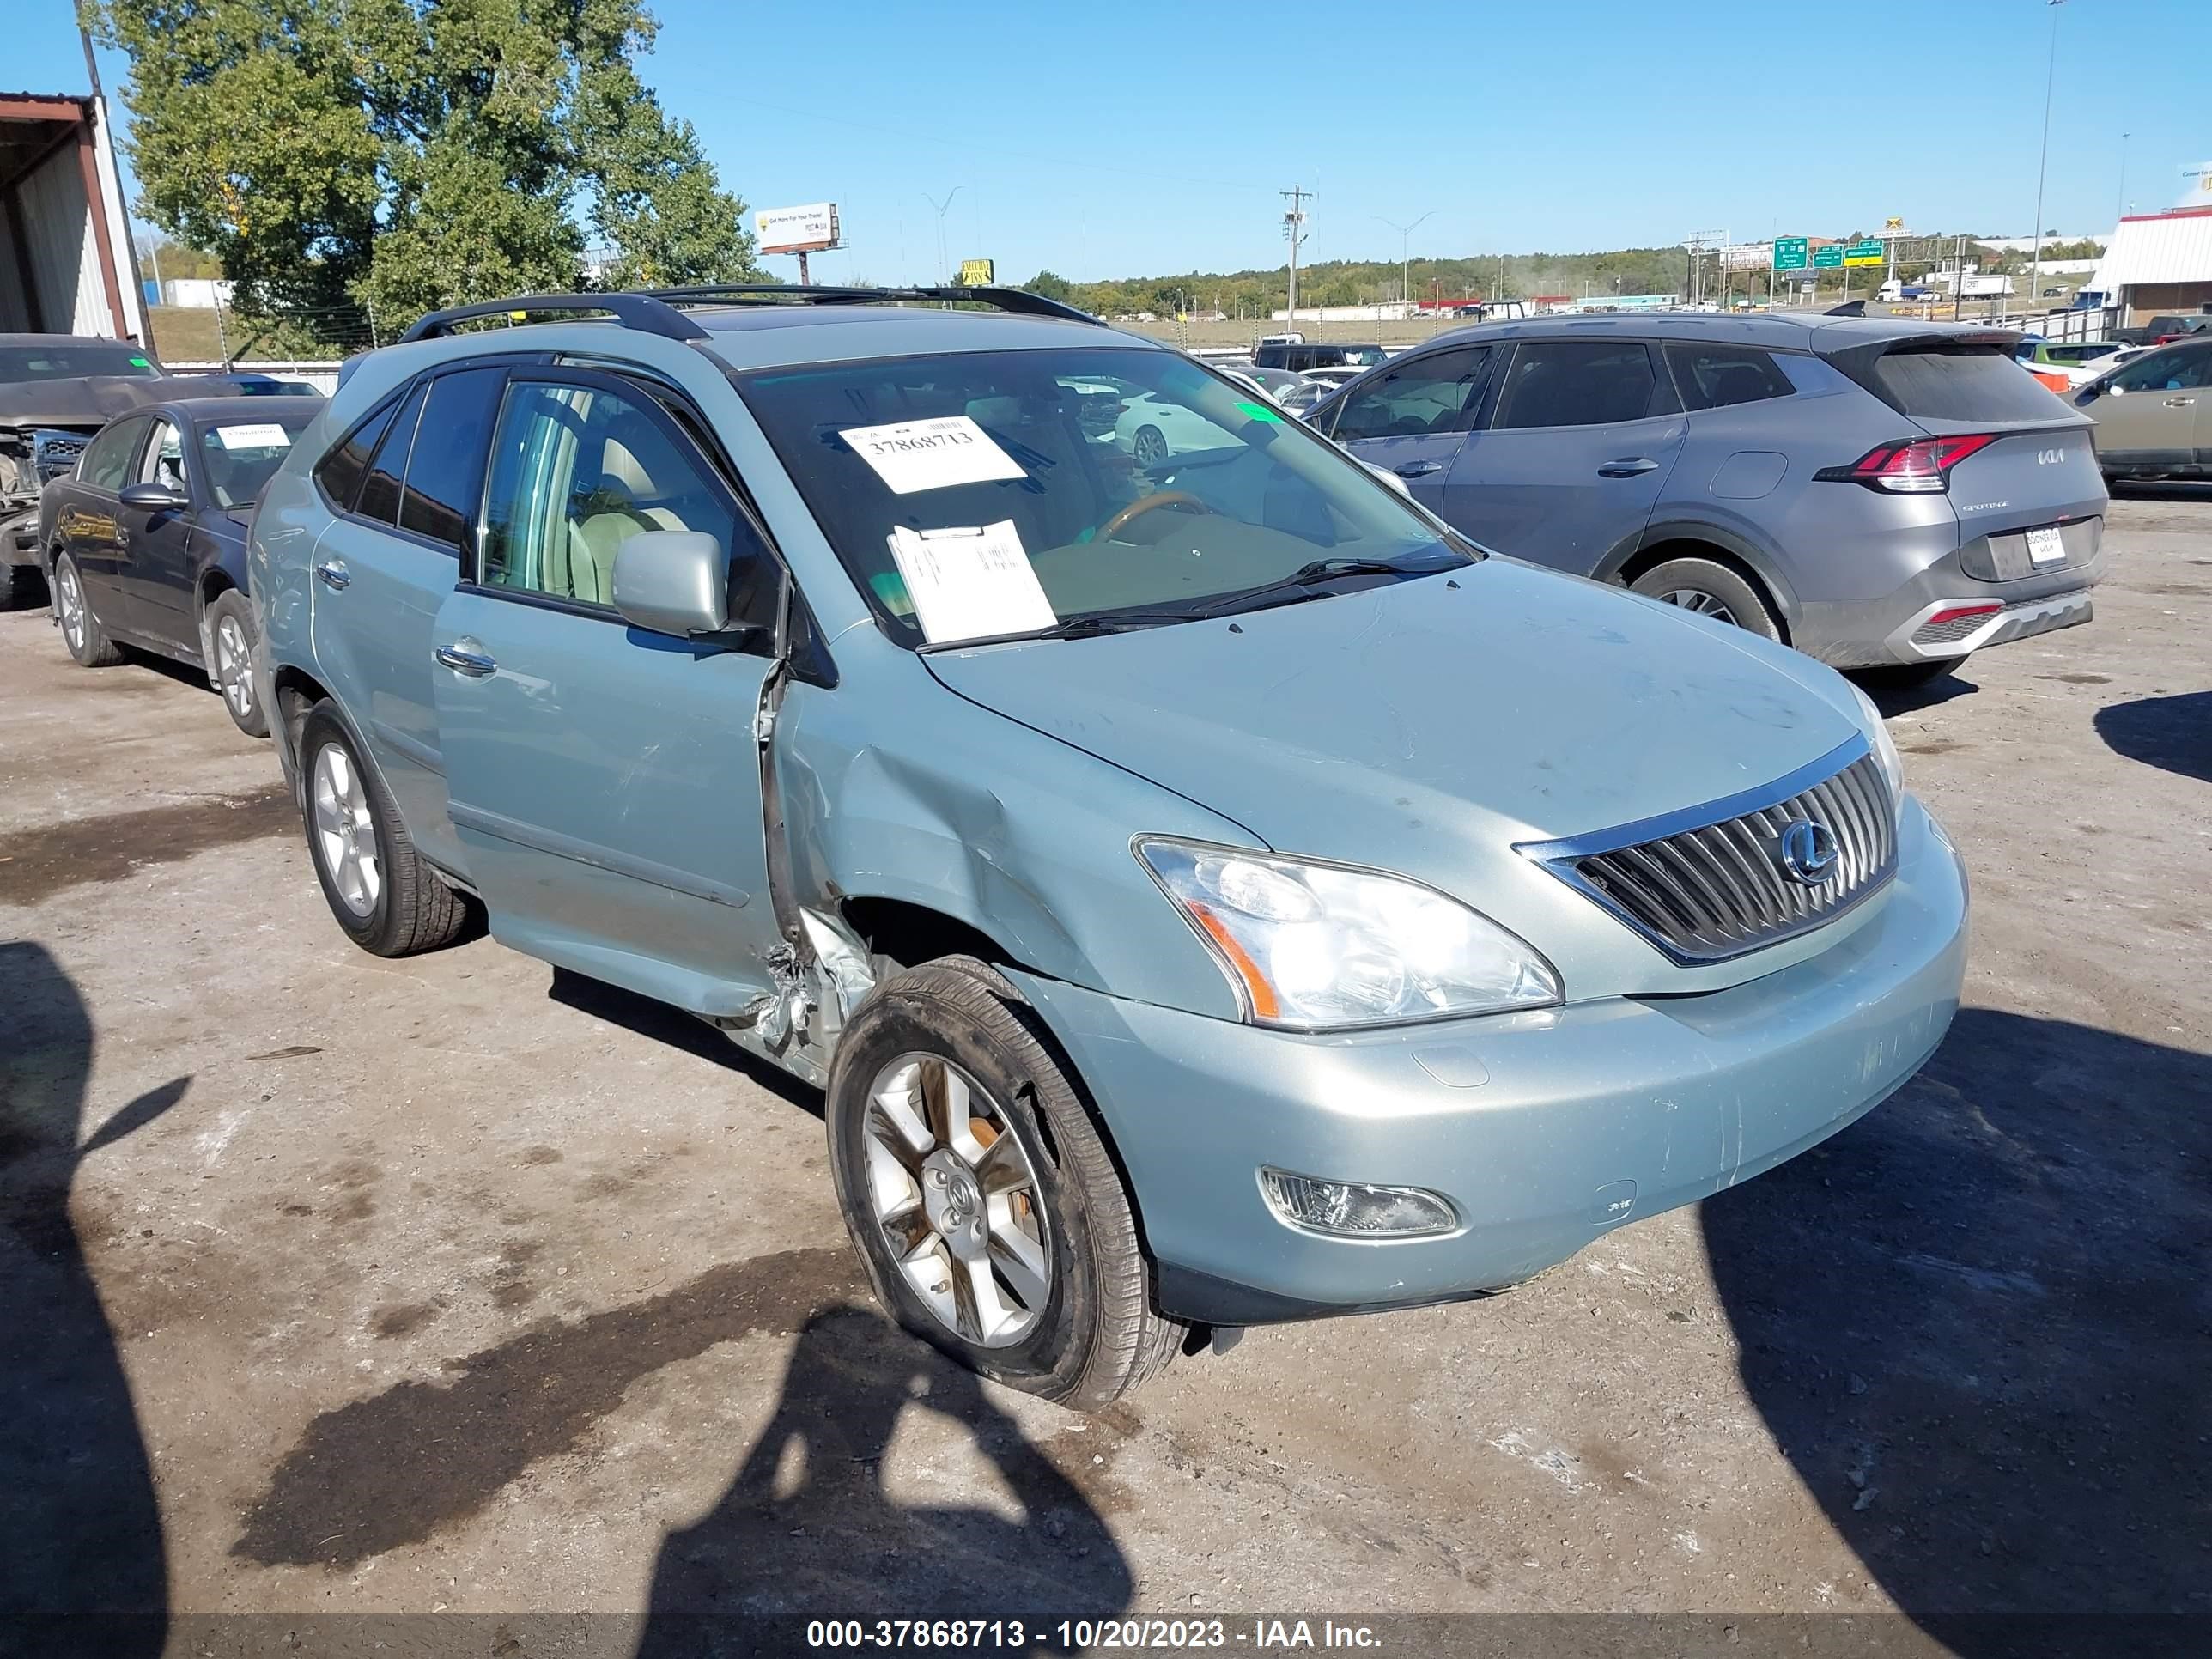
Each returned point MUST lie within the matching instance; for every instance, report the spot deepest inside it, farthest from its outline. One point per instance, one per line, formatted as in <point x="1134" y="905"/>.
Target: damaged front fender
<point x="928" y="800"/>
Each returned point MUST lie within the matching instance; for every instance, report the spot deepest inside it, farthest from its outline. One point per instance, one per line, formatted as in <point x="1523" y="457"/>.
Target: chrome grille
<point x="1717" y="888"/>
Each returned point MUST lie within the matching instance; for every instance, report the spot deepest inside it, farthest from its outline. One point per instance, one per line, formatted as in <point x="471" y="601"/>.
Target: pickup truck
<point x="2159" y="329"/>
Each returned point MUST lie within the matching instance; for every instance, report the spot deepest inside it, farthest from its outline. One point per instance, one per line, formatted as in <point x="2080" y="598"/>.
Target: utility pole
<point x="2043" y="155"/>
<point x="1294" y="228"/>
<point x="1405" y="260"/>
<point x="2123" y="212"/>
<point x="941" y="207"/>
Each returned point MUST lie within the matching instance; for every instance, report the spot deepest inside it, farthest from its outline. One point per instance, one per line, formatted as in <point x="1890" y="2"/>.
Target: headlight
<point x="1311" y="945"/>
<point x="1885" y="748"/>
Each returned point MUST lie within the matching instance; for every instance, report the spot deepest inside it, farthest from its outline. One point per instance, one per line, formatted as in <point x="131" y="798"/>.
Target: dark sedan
<point x="145" y="542"/>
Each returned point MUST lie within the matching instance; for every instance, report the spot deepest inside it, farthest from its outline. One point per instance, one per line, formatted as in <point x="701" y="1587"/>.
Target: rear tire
<point x="391" y="902"/>
<point x="1088" y="1335"/>
<point x="1709" y="588"/>
<point x="230" y="661"/>
<point x="1149" y="448"/>
<point x="86" y="640"/>
<point x="1903" y="676"/>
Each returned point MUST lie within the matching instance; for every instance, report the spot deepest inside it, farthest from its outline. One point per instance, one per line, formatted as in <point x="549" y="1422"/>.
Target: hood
<point x="91" y="400"/>
<point x="1423" y="728"/>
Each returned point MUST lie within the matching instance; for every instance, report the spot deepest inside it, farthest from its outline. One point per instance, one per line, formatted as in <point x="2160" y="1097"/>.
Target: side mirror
<point x="154" y="497"/>
<point x="673" y="582"/>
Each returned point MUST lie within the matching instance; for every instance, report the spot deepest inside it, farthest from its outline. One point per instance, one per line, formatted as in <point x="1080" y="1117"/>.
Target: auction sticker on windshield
<point x="264" y="436"/>
<point x="934" y="454"/>
<point x="970" y="582"/>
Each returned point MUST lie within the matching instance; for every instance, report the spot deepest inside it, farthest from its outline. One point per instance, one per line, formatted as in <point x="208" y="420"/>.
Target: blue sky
<point x="1141" y="139"/>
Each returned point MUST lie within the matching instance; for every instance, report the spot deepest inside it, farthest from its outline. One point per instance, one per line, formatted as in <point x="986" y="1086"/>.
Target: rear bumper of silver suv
<point x="1912" y="623"/>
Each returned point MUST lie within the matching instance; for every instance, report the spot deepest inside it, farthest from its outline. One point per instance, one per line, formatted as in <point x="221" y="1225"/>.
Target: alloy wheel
<point x="1697" y="600"/>
<point x="233" y="666"/>
<point x="71" y="599"/>
<point x="957" y="1201"/>
<point x="344" y="830"/>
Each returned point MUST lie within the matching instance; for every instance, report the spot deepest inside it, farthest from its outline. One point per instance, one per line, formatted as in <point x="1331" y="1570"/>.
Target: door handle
<point x="334" y="573"/>
<point x="1417" y="469"/>
<point x="2179" y="403"/>
<point x="462" y="660"/>
<point x="1628" y="467"/>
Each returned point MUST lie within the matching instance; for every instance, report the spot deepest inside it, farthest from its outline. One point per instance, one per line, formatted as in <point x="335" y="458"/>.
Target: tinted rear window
<point x="379" y="496"/>
<point x="1976" y="383"/>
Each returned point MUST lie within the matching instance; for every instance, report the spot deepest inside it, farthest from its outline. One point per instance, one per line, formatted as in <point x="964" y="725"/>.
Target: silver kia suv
<point x="1881" y="494"/>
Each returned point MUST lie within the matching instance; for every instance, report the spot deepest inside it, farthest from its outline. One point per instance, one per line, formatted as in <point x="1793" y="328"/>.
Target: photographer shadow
<point x="809" y="1528"/>
<point x="84" y="1569"/>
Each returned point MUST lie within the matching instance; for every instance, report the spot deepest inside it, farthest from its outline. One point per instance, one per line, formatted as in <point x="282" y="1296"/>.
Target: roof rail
<point x="639" y="311"/>
<point x="1019" y="301"/>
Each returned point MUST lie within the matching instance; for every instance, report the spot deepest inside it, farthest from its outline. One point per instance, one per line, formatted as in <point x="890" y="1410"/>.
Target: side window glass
<point x="576" y="471"/>
<point x="107" y="460"/>
<point x="164" y="460"/>
<point x="1436" y="393"/>
<point x="1717" y="376"/>
<point x="1577" y="382"/>
<point x="379" y="493"/>
<point x="340" y="471"/>
<point x="2156" y="373"/>
<point x="446" y="473"/>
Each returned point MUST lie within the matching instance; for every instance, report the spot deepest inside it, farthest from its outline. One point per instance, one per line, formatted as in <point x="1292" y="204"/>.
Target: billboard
<point x="806" y="229"/>
<point x="977" y="273"/>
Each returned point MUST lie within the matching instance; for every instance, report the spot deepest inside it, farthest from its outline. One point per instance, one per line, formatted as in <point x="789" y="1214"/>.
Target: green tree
<point x="405" y="155"/>
<point x="1052" y="286"/>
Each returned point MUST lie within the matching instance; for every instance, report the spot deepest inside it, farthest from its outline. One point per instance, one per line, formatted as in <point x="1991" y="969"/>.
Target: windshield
<point x="66" y="360"/>
<point x="241" y="456"/>
<point x="988" y="493"/>
<point x="1364" y="357"/>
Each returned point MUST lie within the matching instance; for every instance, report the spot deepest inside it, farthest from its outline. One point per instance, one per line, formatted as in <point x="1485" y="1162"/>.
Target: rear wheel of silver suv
<point x="389" y="902"/>
<point x="1710" y="589"/>
<point x="991" y="1219"/>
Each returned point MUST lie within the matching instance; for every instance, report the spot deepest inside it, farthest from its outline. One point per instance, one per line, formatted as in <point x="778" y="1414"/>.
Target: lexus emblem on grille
<point x="1807" y="852"/>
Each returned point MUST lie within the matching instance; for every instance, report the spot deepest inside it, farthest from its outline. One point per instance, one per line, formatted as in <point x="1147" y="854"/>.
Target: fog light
<point x="1353" y="1209"/>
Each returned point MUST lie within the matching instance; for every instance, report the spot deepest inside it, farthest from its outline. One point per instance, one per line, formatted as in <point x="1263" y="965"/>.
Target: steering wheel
<point x="1137" y="509"/>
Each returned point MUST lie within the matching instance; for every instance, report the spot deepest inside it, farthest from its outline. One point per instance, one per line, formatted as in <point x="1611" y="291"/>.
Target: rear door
<point x="1585" y="435"/>
<point x="605" y="780"/>
<point x="1411" y="417"/>
<point x="90" y="526"/>
<point x="2152" y="413"/>
<point x="381" y="577"/>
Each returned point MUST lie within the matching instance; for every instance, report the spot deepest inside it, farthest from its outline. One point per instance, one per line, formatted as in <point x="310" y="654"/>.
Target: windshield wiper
<point x="1122" y="622"/>
<point x="1311" y="575"/>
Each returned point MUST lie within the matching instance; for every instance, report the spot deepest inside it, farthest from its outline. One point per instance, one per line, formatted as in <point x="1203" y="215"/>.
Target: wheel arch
<point x="1662" y="542"/>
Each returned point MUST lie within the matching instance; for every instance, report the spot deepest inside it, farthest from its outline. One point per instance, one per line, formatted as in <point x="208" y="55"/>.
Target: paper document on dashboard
<point x="931" y="454"/>
<point x="970" y="582"/>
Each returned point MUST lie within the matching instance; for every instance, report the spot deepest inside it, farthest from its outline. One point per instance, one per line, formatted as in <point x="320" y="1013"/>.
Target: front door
<point x="1574" y="460"/>
<point x="604" y="781"/>
<point x="1411" y="418"/>
<point x="2148" y="413"/>
<point x="157" y="570"/>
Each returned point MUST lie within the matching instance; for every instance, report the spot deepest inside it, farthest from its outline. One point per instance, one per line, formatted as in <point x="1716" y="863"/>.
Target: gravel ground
<point x="336" y="1285"/>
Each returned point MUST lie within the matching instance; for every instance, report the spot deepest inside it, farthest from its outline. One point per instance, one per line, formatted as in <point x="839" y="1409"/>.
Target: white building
<point x="2162" y="262"/>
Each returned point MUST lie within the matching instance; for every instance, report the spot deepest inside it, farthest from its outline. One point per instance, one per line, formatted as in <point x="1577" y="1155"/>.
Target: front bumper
<point x="1545" y="1129"/>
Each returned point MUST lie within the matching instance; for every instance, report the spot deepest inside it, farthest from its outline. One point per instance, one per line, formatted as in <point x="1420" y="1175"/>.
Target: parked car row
<point x="1030" y="735"/>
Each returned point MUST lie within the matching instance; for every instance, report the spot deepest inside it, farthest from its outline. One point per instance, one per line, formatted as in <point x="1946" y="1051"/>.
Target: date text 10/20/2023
<point x="1087" y="1635"/>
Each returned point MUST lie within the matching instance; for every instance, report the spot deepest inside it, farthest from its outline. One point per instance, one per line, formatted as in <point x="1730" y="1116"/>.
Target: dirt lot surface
<point x="330" y="1284"/>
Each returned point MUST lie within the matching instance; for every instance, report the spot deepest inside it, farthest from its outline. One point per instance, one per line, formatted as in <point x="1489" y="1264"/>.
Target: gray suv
<point x="1208" y="890"/>
<point x="1881" y="494"/>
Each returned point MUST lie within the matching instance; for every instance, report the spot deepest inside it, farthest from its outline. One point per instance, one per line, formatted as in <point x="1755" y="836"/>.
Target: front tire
<point x="230" y="661"/>
<point x="386" y="898"/>
<point x="1710" y="589"/>
<point x="1149" y="448"/>
<point x="1020" y="1259"/>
